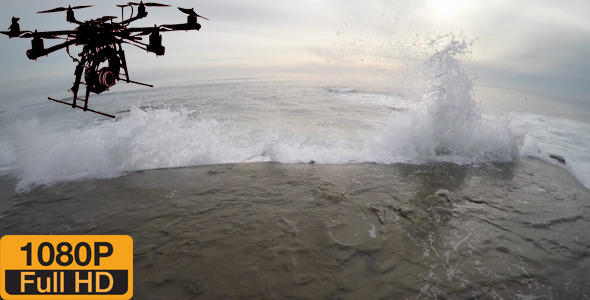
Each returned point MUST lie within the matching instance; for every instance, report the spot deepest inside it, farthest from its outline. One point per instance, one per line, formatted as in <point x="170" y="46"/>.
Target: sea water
<point x="281" y="188"/>
<point x="283" y="120"/>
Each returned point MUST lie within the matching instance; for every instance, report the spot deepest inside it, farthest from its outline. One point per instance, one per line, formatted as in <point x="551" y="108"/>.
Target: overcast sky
<point x="541" y="46"/>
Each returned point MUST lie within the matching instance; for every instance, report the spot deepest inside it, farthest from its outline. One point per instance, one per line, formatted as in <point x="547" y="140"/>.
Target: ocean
<point x="291" y="187"/>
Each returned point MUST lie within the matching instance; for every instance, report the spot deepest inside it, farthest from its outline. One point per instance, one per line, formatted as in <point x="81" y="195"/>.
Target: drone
<point x="102" y="60"/>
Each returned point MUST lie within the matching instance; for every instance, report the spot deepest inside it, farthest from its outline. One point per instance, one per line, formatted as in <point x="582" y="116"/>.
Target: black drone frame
<point x="102" y="60"/>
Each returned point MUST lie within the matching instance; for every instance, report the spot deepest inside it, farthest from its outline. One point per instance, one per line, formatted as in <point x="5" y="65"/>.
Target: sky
<point x="539" y="46"/>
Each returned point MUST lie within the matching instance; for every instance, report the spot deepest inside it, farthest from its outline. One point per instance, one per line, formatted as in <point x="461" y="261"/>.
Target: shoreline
<point x="8" y="179"/>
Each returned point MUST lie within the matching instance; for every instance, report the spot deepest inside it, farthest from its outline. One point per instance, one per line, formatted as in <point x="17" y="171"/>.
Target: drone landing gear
<point x="85" y="107"/>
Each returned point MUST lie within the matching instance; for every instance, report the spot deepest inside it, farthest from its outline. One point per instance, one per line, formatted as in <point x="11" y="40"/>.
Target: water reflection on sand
<point x="358" y="231"/>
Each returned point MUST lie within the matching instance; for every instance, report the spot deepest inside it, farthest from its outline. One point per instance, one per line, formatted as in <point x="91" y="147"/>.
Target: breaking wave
<point x="444" y="125"/>
<point x="447" y="125"/>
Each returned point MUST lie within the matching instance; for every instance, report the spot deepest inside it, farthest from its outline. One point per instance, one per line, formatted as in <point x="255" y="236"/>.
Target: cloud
<point x="532" y="43"/>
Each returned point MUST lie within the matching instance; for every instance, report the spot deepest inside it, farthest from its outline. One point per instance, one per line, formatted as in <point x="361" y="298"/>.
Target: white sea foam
<point x="567" y="138"/>
<point x="164" y="138"/>
<point x="142" y="140"/>
<point x="446" y="125"/>
<point x="334" y="125"/>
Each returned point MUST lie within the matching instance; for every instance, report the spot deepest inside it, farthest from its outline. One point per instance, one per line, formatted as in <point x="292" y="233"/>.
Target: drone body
<point x="102" y="60"/>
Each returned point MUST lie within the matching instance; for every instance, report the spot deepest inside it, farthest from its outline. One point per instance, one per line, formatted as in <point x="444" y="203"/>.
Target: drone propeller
<point x="191" y="12"/>
<point x="63" y="9"/>
<point x="17" y="34"/>
<point x="145" y="4"/>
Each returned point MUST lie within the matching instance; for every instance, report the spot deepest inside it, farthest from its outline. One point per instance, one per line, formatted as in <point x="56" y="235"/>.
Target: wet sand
<point x="357" y="231"/>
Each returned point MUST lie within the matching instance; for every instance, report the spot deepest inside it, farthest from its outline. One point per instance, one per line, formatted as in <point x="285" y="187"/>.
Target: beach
<point x="307" y="231"/>
<point x="294" y="187"/>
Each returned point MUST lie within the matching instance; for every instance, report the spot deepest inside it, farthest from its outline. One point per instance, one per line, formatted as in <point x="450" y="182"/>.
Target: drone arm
<point x="158" y="49"/>
<point x="78" y="74"/>
<point x="136" y="43"/>
<point x="36" y="52"/>
<point x="123" y="62"/>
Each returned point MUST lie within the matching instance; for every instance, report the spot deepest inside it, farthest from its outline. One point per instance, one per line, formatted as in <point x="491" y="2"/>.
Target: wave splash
<point x="444" y="126"/>
<point x="144" y="139"/>
<point x="447" y="125"/>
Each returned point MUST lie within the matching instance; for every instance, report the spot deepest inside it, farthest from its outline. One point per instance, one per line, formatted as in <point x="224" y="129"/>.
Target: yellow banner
<point x="66" y="267"/>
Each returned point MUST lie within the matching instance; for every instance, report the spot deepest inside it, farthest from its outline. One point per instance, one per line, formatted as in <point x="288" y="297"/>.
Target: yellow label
<point x="66" y="267"/>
